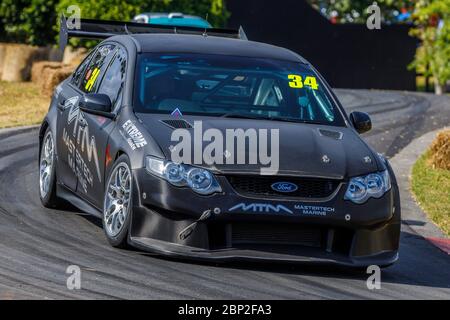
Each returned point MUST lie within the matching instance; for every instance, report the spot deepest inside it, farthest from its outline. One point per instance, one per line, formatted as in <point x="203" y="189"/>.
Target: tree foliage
<point x="38" y="17"/>
<point x="432" y="26"/>
<point x="28" y="21"/>
<point x="35" y="21"/>
<point x="344" y="11"/>
<point x="11" y="18"/>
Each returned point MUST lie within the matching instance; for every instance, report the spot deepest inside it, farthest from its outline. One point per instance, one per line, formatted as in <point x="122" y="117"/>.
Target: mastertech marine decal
<point x="79" y="143"/>
<point x="314" y="210"/>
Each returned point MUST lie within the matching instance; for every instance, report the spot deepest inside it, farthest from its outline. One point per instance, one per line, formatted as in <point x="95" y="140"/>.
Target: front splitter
<point x="301" y="256"/>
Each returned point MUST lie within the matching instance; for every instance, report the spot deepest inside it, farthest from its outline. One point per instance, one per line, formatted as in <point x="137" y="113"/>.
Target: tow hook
<point x="186" y="232"/>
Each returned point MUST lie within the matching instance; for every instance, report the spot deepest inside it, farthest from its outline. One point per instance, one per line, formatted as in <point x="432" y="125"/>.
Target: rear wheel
<point x="117" y="203"/>
<point x="47" y="172"/>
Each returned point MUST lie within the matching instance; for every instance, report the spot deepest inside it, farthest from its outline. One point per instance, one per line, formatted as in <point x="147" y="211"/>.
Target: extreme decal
<point x="87" y="145"/>
<point x="135" y="138"/>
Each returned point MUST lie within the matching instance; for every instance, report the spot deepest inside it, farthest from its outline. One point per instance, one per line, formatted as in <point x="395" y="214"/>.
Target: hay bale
<point x="440" y="151"/>
<point x="18" y="60"/>
<point x="47" y="74"/>
<point x="2" y="57"/>
<point x="55" y="76"/>
<point x="77" y="60"/>
<point x="40" y="69"/>
<point x="74" y="56"/>
<point x="54" y="54"/>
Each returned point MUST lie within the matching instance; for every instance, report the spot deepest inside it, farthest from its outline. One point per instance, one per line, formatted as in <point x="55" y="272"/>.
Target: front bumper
<point x="242" y="228"/>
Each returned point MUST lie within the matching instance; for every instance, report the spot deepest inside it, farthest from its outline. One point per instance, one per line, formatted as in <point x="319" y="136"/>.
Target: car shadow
<point x="420" y="263"/>
<point x="68" y="207"/>
<point x="411" y="222"/>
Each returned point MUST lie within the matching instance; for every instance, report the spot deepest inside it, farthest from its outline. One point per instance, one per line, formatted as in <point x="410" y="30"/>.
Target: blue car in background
<point x="172" y="19"/>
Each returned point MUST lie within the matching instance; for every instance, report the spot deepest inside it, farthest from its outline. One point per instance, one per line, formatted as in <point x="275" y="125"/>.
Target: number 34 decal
<point x="298" y="82"/>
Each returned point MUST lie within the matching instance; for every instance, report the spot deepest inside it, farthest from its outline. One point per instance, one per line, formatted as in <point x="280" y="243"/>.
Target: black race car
<point x="136" y="136"/>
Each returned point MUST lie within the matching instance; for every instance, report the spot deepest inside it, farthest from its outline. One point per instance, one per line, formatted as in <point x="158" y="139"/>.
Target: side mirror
<point x="361" y="121"/>
<point x="97" y="103"/>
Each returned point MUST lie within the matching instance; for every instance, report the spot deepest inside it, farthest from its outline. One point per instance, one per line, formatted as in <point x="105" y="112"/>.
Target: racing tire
<point x="47" y="172"/>
<point x="117" y="204"/>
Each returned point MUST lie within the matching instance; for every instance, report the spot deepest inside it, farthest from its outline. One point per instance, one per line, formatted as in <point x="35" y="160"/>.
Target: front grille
<point x="279" y="236"/>
<point x="261" y="186"/>
<point x="275" y="234"/>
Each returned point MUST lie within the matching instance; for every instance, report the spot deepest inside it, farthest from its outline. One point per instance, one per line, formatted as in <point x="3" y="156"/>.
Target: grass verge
<point x="21" y="104"/>
<point x="431" y="188"/>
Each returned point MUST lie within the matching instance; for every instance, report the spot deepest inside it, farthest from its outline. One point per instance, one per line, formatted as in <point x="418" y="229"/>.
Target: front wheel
<point x="47" y="172"/>
<point x="117" y="203"/>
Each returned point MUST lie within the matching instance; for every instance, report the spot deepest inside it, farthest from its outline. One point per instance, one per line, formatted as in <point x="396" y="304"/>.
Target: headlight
<point x="200" y="180"/>
<point x="374" y="185"/>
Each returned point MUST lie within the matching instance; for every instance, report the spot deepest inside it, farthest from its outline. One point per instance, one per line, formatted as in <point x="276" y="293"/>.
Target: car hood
<point x="304" y="149"/>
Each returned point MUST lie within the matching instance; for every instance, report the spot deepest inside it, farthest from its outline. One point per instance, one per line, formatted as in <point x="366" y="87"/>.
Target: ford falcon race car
<point x="201" y="144"/>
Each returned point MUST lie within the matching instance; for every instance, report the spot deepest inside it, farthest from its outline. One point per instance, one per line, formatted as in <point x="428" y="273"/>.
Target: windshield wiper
<point x="241" y="116"/>
<point x="274" y="118"/>
<point x="294" y="120"/>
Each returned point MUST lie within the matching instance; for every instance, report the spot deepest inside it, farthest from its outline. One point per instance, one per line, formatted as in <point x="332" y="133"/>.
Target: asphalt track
<point x="38" y="244"/>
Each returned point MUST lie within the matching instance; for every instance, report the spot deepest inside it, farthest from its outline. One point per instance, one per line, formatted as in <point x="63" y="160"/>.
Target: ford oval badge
<point x="284" y="187"/>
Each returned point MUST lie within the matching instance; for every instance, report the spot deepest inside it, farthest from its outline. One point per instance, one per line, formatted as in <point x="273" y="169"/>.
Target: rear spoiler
<point x="103" y="29"/>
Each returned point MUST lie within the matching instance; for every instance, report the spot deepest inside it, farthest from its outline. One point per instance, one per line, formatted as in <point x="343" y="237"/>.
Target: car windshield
<point x="228" y="86"/>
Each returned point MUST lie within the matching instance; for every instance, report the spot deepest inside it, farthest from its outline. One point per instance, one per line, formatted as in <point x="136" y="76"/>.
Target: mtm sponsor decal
<point x="80" y="143"/>
<point x="260" y="208"/>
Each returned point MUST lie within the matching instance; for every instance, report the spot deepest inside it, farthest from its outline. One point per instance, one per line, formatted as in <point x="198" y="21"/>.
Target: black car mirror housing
<point x="97" y="103"/>
<point x="361" y="121"/>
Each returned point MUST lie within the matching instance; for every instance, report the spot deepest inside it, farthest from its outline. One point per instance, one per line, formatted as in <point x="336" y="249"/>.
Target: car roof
<point x="176" y="43"/>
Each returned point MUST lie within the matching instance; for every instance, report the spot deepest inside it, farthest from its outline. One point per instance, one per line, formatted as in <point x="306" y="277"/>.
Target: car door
<point x="68" y="98"/>
<point x="97" y="128"/>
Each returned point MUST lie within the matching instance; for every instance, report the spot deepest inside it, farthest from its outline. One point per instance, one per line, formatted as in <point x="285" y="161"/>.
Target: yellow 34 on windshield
<point x="297" y="82"/>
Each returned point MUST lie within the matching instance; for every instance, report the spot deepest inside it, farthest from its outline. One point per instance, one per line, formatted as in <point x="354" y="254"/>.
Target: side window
<point x="79" y="72"/>
<point x="113" y="81"/>
<point x="96" y="68"/>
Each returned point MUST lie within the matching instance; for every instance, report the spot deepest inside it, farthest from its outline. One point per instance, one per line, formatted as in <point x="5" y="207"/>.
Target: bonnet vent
<point x="177" y="124"/>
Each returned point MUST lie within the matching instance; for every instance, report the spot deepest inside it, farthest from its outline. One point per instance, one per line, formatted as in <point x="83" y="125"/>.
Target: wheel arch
<point x="48" y="122"/>
<point x="119" y="153"/>
<point x="42" y="131"/>
<point x="116" y="154"/>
